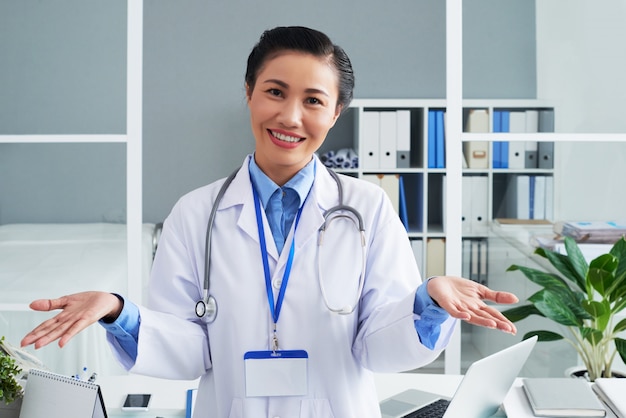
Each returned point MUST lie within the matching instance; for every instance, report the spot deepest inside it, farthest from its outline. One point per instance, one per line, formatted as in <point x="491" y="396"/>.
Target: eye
<point x="313" y="101"/>
<point x="275" y="92"/>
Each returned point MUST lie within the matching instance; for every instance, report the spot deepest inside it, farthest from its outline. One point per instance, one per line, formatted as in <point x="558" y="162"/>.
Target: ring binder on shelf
<point x="50" y="395"/>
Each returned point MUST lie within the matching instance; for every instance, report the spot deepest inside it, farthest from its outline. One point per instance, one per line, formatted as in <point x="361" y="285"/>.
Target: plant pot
<point x="11" y="410"/>
<point x="580" y="372"/>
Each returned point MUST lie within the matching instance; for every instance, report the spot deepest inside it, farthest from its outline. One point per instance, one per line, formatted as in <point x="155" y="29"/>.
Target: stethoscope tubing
<point x="207" y="307"/>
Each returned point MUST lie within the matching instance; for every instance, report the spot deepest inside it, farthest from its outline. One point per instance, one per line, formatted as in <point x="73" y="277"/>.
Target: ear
<point x="248" y="92"/>
<point x="338" y="110"/>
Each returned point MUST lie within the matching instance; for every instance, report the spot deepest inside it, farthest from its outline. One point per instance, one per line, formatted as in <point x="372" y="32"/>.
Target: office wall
<point x="195" y="118"/>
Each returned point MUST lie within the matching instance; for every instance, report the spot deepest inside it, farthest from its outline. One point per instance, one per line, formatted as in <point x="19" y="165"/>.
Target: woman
<point x="275" y="300"/>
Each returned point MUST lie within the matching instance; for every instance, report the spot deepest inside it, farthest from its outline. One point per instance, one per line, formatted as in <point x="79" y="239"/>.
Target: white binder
<point x="50" y="395"/>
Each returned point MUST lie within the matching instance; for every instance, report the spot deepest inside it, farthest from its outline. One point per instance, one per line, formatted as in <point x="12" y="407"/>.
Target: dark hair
<point x="298" y="38"/>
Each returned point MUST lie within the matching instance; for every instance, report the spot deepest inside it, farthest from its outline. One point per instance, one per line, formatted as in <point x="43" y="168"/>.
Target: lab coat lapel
<point x="240" y="193"/>
<point x="323" y="195"/>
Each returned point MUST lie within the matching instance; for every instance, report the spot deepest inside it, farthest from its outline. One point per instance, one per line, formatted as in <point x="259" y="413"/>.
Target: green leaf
<point x="619" y="251"/>
<point x="592" y="335"/>
<point x="543" y="335"/>
<point x="520" y="312"/>
<point x="573" y="266"/>
<point x="560" y="306"/>
<point x="601" y="273"/>
<point x="541" y="278"/>
<point x="621" y="326"/>
<point x="620" y="345"/>
<point x="594" y="308"/>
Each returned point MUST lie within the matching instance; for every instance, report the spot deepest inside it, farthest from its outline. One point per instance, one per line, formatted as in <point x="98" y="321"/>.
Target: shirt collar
<point x="301" y="183"/>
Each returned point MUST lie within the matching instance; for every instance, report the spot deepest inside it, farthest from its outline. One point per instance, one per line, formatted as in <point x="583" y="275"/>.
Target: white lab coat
<point x="343" y="350"/>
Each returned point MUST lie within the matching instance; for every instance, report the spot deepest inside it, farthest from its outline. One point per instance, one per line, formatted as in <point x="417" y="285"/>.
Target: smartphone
<point x="136" y="402"/>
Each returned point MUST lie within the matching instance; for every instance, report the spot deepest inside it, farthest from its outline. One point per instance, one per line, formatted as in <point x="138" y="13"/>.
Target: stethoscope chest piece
<point x="207" y="309"/>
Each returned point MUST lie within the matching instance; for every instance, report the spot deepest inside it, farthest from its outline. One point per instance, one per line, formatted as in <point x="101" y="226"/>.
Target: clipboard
<point x="50" y="395"/>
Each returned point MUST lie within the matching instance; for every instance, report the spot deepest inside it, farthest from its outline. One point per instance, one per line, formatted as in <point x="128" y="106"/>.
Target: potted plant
<point x="10" y="389"/>
<point x="585" y="298"/>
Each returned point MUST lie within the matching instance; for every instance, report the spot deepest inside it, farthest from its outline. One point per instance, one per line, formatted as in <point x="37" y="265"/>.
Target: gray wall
<point x="65" y="74"/>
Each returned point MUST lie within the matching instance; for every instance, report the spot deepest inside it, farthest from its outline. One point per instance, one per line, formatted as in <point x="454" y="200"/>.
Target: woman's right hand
<point x="78" y="311"/>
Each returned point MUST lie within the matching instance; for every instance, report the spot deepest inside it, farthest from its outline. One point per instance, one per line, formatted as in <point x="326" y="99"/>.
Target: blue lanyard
<point x="275" y="309"/>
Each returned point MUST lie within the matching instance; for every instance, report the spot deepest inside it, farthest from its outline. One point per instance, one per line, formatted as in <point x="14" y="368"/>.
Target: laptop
<point x="480" y="393"/>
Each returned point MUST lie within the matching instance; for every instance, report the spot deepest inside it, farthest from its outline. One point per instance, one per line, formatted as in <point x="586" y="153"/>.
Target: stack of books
<point x="604" y="232"/>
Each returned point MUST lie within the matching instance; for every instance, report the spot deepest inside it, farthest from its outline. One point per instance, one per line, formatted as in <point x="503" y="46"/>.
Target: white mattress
<point x="51" y="260"/>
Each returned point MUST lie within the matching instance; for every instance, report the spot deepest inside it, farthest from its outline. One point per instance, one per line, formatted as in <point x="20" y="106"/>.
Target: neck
<point x="280" y="174"/>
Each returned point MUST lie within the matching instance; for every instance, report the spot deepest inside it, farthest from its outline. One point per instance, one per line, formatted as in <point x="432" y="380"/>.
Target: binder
<point x="523" y="197"/>
<point x="369" y="140"/>
<point x="417" y="245"/>
<point x="50" y="395"/>
<point x="403" y="138"/>
<point x="540" y="198"/>
<point x="402" y="210"/>
<point x="466" y="258"/>
<point x="532" y="125"/>
<point x="504" y="147"/>
<point x="479" y="205"/>
<point x="466" y="205"/>
<point x="483" y="254"/>
<point x="435" y="257"/>
<point x="501" y="148"/>
<point x="477" y="152"/>
<point x="549" y="209"/>
<point x="531" y="197"/>
<point x="497" y="145"/>
<point x="432" y="129"/>
<point x="440" y="139"/>
<point x="517" y="149"/>
<point x="190" y="402"/>
<point x="546" y="155"/>
<point x="388" y="139"/>
<point x="391" y="185"/>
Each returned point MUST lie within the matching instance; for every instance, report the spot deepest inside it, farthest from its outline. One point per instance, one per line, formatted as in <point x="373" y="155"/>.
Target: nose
<point x="290" y="113"/>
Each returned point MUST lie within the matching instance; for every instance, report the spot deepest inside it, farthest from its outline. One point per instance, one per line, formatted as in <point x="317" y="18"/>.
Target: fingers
<point x="499" y="297"/>
<point x="47" y="304"/>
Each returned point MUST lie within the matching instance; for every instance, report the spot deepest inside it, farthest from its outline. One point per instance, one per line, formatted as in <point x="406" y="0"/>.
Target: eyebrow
<point x="286" y="86"/>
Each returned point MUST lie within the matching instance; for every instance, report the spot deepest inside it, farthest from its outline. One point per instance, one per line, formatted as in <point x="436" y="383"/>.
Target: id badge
<point x="279" y="373"/>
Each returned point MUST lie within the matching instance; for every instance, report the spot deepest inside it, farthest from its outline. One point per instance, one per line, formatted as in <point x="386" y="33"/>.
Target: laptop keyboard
<point x="432" y="410"/>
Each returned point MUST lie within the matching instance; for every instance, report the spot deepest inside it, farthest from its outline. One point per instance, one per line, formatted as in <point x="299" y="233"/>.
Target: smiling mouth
<point x="285" y="138"/>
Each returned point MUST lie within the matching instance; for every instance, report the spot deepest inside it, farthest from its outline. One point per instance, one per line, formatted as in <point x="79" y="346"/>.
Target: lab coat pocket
<point x="236" y="408"/>
<point x="315" y="408"/>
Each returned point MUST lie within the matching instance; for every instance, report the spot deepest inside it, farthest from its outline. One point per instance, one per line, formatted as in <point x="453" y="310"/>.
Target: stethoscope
<point x="207" y="307"/>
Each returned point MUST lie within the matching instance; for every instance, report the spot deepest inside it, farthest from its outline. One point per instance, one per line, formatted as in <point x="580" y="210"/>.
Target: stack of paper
<point x="593" y="231"/>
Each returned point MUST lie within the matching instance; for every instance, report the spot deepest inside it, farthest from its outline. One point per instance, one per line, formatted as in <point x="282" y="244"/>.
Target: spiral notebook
<point x="50" y="395"/>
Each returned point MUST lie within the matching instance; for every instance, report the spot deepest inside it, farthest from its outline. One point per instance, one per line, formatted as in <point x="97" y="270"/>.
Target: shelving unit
<point x="371" y="126"/>
<point x="487" y="192"/>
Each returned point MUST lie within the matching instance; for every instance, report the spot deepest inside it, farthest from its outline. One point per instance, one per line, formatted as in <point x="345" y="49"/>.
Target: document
<point x="562" y="397"/>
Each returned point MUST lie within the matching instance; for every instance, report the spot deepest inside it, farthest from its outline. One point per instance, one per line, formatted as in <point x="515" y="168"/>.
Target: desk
<point x="169" y="396"/>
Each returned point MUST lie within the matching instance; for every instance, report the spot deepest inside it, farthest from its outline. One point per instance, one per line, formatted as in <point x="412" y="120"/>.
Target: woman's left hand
<point x="464" y="299"/>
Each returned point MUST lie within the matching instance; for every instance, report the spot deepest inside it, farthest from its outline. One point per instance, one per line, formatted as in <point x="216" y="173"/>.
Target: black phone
<point x="137" y="402"/>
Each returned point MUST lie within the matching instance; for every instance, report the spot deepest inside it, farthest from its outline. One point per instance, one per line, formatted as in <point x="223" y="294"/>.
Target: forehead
<point x="296" y="68"/>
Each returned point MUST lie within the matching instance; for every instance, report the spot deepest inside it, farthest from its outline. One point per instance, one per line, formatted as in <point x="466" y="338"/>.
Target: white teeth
<point x="285" y="138"/>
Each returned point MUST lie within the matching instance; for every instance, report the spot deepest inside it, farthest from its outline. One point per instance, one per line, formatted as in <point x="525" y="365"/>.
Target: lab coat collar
<point x="323" y="196"/>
